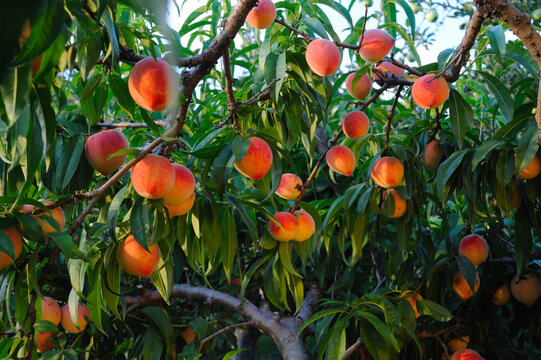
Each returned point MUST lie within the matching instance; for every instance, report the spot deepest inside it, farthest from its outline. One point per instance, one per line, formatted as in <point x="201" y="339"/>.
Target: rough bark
<point x="246" y="339"/>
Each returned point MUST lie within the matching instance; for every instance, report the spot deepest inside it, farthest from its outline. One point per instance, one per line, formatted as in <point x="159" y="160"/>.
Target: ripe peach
<point x="289" y="187"/>
<point x="527" y="289"/>
<point x="362" y="87"/>
<point x="135" y="260"/>
<point x="288" y="223"/>
<point x="517" y="198"/>
<point x="257" y="161"/>
<point x="188" y="335"/>
<point x="390" y="68"/>
<point x="340" y="158"/>
<point x="400" y="204"/>
<point x="532" y="169"/>
<point x="43" y="341"/>
<point x="388" y="172"/>
<point x="412" y="299"/>
<point x="262" y="15"/>
<point x="83" y="317"/>
<point x="153" y="84"/>
<point x="461" y="287"/>
<point x="432" y="156"/>
<point x="50" y="310"/>
<point x="323" y="57"/>
<point x="47" y="228"/>
<point x="458" y="343"/>
<point x="99" y="146"/>
<point x="501" y="296"/>
<point x="182" y="208"/>
<point x="375" y="44"/>
<point x="474" y="247"/>
<point x="153" y="177"/>
<point x="355" y="124"/>
<point x="36" y="64"/>
<point x="429" y="93"/>
<point x="306" y="226"/>
<point x="466" y="354"/>
<point x="183" y="188"/>
<point x="5" y="260"/>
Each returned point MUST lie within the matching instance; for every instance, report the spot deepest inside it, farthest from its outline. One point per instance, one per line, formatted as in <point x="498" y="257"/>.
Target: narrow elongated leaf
<point x="461" y="116"/>
<point x="505" y="100"/>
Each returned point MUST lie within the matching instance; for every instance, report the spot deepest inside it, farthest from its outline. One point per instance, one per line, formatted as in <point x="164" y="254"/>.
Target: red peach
<point x="289" y="187"/>
<point x="323" y="57"/>
<point x="466" y="354"/>
<point x="430" y="93"/>
<point x="362" y="87"/>
<point x="262" y="15"/>
<point x="432" y="156"/>
<point x="390" y="68"/>
<point x="306" y="226"/>
<point x="182" y="208"/>
<point x="400" y="204"/>
<point x="461" y="287"/>
<point x="257" y="161"/>
<point x="340" y="159"/>
<point x="388" y="172"/>
<point x="288" y="229"/>
<point x="183" y="188"/>
<point x="99" y="146"/>
<point x="375" y="44"/>
<point x="135" y="260"/>
<point x="473" y="247"/>
<point x="83" y="317"/>
<point x="531" y="170"/>
<point x="50" y="311"/>
<point x="153" y="177"/>
<point x="355" y="124"/>
<point x="43" y="341"/>
<point x="5" y="260"/>
<point x="526" y="290"/>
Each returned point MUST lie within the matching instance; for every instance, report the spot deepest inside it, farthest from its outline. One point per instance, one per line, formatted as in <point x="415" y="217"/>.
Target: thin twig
<point x="391" y="115"/>
<point x="352" y="349"/>
<point x="411" y="70"/>
<point x="129" y="125"/>
<point x="308" y="38"/>
<point x="221" y="331"/>
<point x="364" y="26"/>
<point x="229" y="90"/>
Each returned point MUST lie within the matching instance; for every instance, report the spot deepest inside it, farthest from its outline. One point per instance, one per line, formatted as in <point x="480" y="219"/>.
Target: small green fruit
<point x="368" y="3"/>
<point x="416" y="8"/>
<point x="432" y="16"/>
<point x="411" y="57"/>
<point x="536" y="15"/>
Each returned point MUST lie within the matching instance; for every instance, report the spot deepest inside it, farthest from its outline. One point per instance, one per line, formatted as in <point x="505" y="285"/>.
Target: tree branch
<point x="308" y="38"/>
<point x="221" y="331"/>
<point x="229" y="90"/>
<point x="125" y="124"/>
<point x="352" y="349"/>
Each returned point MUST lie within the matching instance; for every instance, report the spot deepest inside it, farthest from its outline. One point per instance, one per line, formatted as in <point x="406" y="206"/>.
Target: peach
<point x="188" y="335"/>
<point x="288" y="229"/>
<point x="289" y="187"/>
<point x="432" y="156"/>
<point x="430" y="93"/>
<point x="473" y="247"/>
<point x="135" y="260"/>
<point x="153" y="177"/>
<point x="340" y="159"/>
<point x="355" y="124"/>
<point x="153" y="84"/>
<point x="387" y="67"/>
<point x="47" y="228"/>
<point x="25" y="32"/>
<point x="362" y="87"/>
<point x="323" y="57"/>
<point x="182" y="208"/>
<point x="458" y="343"/>
<point x="83" y="317"/>
<point x="501" y="296"/>
<point x="466" y="354"/>
<point x="43" y="341"/>
<point x="461" y="287"/>
<point x="306" y="227"/>
<point x="5" y="260"/>
<point x="388" y="172"/>
<point x="531" y="170"/>
<point x="99" y="146"/>
<point x="257" y="161"/>
<point x="262" y="15"/>
<point x="50" y="311"/>
<point x="375" y="44"/>
<point x="183" y="188"/>
<point x="400" y="204"/>
<point x="526" y="290"/>
<point x="517" y="198"/>
<point x="412" y="299"/>
<point x="36" y="64"/>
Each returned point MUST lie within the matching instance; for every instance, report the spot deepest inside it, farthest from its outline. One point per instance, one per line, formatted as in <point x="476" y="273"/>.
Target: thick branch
<point x="232" y="103"/>
<point x="352" y="349"/>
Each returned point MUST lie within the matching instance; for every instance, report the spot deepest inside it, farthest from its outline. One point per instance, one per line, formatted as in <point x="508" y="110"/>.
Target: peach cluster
<point x="297" y="227"/>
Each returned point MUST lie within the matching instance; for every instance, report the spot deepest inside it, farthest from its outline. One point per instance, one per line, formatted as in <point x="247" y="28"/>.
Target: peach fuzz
<point x="459" y="343"/>
<point x="83" y="317"/>
<point x="532" y="169"/>
<point x="153" y="177"/>
<point x="387" y="67"/>
<point x="306" y="226"/>
<point x="153" y="84"/>
<point x="466" y="354"/>
<point x="182" y="208"/>
<point x="430" y="93"/>
<point x="262" y="15"/>
<point x="56" y="213"/>
<point x="473" y="247"/>
<point x="135" y="260"/>
<point x="432" y="156"/>
<point x="257" y="161"/>
<point x="183" y="188"/>
<point x="340" y="159"/>
<point x="362" y="87"/>
<point x="412" y="299"/>
<point x="99" y="146"/>
<point x="501" y="296"/>
<point x="388" y="172"/>
<point x="50" y="310"/>
<point x="43" y="341"/>
<point x="461" y="287"/>
<point x="288" y="229"/>
<point x="526" y="290"/>
<point x="289" y="187"/>
<point x="5" y="260"/>
<point x="400" y="204"/>
<point x="375" y="44"/>
<point x="355" y="124"/>
<point x="323" y="57"/>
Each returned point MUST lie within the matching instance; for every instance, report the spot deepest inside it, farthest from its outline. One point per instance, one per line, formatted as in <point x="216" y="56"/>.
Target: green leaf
<point x="500" y="91"/>
<point x="15" y="90"/>
<point x="222" y="168"/>
<point x="285" y="258"/>
<point x="523" y="239"/>
<point x="496" y="37"/>
<point x="140" y="223"/>
<point x="467" y="269"/>
<point x="240" y="146"/>
<point x="232" y="353"/>
<point x="122" y="94"/>
<point x="315" y="317"/>
<point x="160" y="318"/>
<point x="484" y="149"/>
<point x="435" y="310"/>
<point x="107" y="16"/>
<point x="63" y="241"/>
<point x="152" y="344"/>
<point x="381" y="328"/>
<point x="6" y="245"/>
<point x="461" y="116"/>
<point x="447" y="169"/>
<point x="228" y="248"/>
<point x="336" y="347"/>
<point x="526" y="148"/>
<point x="45" y="325"/>
<point x="114" y="209"/>
<point x="409" y="14"/>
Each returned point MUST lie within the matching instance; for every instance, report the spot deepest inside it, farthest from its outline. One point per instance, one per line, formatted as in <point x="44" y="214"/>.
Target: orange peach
<point x="183" y="188"/>
<point x="288" y="229"/>
<point x="153" y="177"/>
<point x="50" y="311"/>
<point x="461" y="287"/>
<point x="473" y="247"/>
<point x="182" y="208"/>
<point x="355" y="124"/>
<point x="459" y="343"/>
<point x="466" y="354"/>
<point x="135" y="260"/>
<point x="188" y="335"/>
<point x="257" y="161"/>
<point x="527" y="289"/>
<point x="432" y="156"/>
<point x="375" y="44"/>
<point x="323" y="57"/>
<point x="532" y="169"/>
<point x="306" y="226"/>
<point x="43" y="341"/>
<point x="5" y="260"/>
<point x="501" y="296"/>
<point x="289" y="187"/>
<point x="387" y="67"/>
<point x="83" y="317"/>
<point x="412" y="299"/>
<point x="430" y="93"/>
<point x="340" y="159"/>
<point x="262" y="15"/>
<point x="46" y="227"/>
<point x="517" y="198"/>
<point x="153" y="84"/>
<point x="400" y="204"/>
<point x="388" y="172"/>
<point x="100" y="146"/>
<point x="36" y="64"/>
<point x="362" y="87"/>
